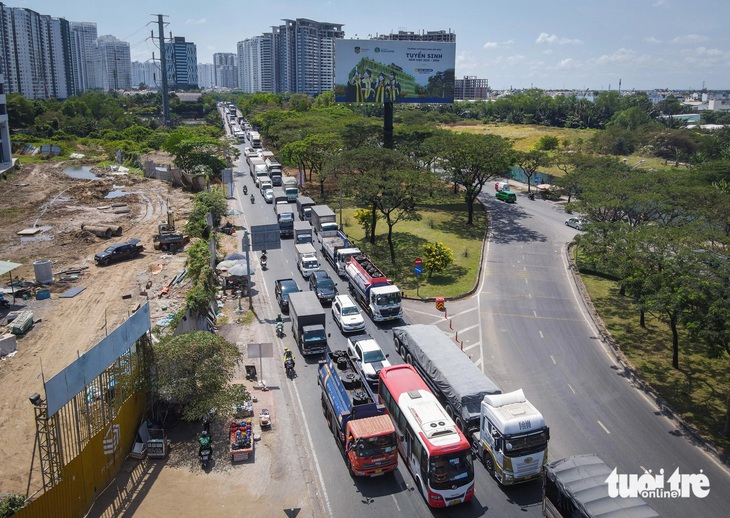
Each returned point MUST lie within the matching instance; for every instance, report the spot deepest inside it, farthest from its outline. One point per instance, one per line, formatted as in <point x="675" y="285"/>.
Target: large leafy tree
<point x="474" y="160"/>
<point x="195" y="370"/>
<point x="202" y="155"/>
<point x="530" y="162"/>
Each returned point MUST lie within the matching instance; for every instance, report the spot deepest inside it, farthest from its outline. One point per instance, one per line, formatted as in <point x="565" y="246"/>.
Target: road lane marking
<point x="469" y="328"/>
<point x="553" y="359"/>
<point x="472" y="346"/>
<point x="396" y="502"/>
<point x="571" y="388"/>
<point x="602" y="426"/>
<point x="541" y="336"/>
<point x="534" y="312"/>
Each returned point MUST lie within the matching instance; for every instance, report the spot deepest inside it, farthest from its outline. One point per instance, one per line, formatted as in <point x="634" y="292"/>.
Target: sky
<point x="547" y="44"/>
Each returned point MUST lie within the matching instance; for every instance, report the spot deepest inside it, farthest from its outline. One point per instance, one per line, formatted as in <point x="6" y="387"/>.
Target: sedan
<point x="577" y="223"/>
<point x="269" y="195"/>
<point x="347" y="315"/>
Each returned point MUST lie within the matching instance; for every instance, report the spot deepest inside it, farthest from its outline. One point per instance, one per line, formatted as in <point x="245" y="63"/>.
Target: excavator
<point x="167" y="238"/>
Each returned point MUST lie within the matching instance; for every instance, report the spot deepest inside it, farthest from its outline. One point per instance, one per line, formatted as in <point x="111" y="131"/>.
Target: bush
<point x="11" y="504"/>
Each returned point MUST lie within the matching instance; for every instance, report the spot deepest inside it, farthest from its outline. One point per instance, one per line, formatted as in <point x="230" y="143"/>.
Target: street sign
<point x="265" y="237"/>
<point x="418" y="261"/>
<point x="418" y="270"/>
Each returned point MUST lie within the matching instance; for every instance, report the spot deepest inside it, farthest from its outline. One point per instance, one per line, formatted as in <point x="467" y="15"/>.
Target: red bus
<point x="436" y="452"/>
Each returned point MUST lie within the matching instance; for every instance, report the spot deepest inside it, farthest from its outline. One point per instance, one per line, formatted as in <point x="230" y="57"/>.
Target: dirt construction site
<point x="45" y="215"/>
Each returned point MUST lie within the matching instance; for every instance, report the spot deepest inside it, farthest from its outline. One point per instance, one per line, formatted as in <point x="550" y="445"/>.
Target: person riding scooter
<point x="263" y="259"/>
<point x="204" y="441"/>
<point x="288" y="355"/>
<point x="253" y="198"/>
<point x="245" y="190"/>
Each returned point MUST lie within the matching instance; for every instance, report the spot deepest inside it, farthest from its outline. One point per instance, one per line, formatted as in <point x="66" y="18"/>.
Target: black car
<point x="323" y="286"/>
<point x="119" y="252"/>
<point x="282" y="289"/>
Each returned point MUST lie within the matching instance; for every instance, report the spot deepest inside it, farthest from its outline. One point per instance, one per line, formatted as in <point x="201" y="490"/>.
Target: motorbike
<point x="289" y="366"/>
<point x="279" y="329"/>
<point x="263" y="262"/>
<point x="245" y="190"/>
<point x="531" y="196"/>
<point x="204" y="454"/>
<point x="253" y="199"/>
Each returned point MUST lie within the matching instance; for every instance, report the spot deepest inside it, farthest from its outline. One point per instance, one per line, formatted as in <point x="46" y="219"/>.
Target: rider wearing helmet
<point x="204" y="441"/>
<point x="288" y="354"/>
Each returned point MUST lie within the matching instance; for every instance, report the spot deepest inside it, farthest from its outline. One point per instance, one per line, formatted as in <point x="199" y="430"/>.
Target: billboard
<point x="383" y="71"/>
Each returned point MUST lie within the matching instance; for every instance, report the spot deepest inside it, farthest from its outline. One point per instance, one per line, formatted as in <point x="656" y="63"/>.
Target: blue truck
<point x="363" y="431"/>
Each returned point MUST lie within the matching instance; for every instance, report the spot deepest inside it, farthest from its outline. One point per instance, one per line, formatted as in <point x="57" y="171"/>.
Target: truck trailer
<point x="302" y="232"/>
<point x="331" y="245"/>
<point x="379" y="297"/>
<point x="362" y="430"/>
<point x="307" y="322"/>
<point x="304" y="207"/>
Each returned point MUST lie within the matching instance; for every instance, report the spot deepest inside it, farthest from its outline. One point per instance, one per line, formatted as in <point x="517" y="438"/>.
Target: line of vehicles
<point x="438" y="409"/>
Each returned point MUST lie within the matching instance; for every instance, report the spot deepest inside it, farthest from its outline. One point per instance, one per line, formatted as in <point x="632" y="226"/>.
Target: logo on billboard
<point x="357" y="50"/>
<point x="111" y="439"/>
<point x="377" y="49"/>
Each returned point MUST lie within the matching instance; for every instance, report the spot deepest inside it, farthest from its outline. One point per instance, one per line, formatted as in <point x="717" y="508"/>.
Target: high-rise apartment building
<point x="256" y="66"/>
<point x="116" y="63"/>
<point x="85" y="58"/>
<point x="296" y="57"/>
<point x="182" y="64"/>
<point x="206" y="75"/>
<point x="146" y="74"/>
<point x="36" y="54"/>
<point x="226" y="73"/>
<point x="6" y="157"/>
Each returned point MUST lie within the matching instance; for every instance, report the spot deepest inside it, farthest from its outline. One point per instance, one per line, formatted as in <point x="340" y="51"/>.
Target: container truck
<point x="291" y="187"/>
<point x="274" y="168"/>
<point x="280" y="196"/>
<point x="324" y="221"/>
<point x="362" y="430"/>
<point x="255" y="139"/>
<point x="304" y="207"/>
<point x="285" y="218"/>
<point x="302" y="232"/>
<point x="378" y="296"/>
<point x="512" y="454"/>
<point x="307" y="322"/>
<point x="257" y="167"/>
<point x="306" y="259"/>
<point x="512" y="439"/>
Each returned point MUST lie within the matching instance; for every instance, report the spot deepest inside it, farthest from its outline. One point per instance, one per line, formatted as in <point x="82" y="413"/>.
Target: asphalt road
<point x="526" y="329"/>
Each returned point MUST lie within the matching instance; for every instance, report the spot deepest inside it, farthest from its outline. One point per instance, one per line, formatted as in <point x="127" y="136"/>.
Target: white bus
<point x="434" y="449"/>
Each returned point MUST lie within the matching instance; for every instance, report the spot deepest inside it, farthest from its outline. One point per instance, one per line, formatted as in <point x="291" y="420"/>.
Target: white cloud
<point x="625" y="57"/>
<point x="689" y="38"/>
<point x="551" y="39"/>
<point x="652" y="39"/>
<point x="567" y="64"/>
<point x="499" y="44"/>
<point x="704" y="57"/>
<point x="465" y="61"/>
<point x="193" y="21"/>
<point x="548" y="51"/>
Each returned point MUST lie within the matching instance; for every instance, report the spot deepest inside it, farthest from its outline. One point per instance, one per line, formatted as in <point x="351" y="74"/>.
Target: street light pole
<point x="340" y="207"/>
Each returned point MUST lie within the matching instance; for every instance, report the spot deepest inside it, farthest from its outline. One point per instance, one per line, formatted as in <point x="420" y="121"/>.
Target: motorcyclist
<point x="252" y="198"/>
<point x="245" y="189"/>
<point x="288" y="355"/>
<point x="204" y="441"/>
<point x="263" y="259"/>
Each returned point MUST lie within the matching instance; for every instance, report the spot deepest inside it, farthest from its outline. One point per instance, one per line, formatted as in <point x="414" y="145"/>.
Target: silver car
<point x="347" y="315"/>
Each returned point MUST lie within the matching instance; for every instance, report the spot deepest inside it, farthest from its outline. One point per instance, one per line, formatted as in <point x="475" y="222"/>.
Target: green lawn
<point x="442" y="220"/>
<point x="698" y="391"/>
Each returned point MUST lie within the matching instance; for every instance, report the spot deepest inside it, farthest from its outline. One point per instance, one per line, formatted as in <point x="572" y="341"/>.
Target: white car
<point x="368" y="357"/>
<point x="269" y="196"/>
<point x="347" y="315"/>
<point x="577" y="223"/>
<point x="249" y="152"/>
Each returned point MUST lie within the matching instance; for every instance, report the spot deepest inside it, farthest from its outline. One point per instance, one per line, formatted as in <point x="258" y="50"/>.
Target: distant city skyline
<point x="647" y="44"/>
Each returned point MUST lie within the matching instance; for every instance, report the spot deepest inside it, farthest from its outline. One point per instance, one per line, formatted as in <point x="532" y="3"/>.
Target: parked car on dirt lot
<point x="119" y="252"/>
<point x="577" y="223"/>
<point x="347" y="315"/>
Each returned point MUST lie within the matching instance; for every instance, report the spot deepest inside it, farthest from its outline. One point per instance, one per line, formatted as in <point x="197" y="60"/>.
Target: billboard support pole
<point x="388" y="126"/>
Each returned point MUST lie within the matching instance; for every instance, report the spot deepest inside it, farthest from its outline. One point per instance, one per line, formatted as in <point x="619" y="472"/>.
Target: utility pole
<point x="163" y="65"/>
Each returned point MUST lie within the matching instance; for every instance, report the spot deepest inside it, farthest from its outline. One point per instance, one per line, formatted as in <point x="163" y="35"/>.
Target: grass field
<point x="698" y="391"/>
<point x="442" y="220"/>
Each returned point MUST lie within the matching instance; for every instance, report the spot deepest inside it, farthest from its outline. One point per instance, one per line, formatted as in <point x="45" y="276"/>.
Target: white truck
<point x="274" y="168"/>
<point x="324" y="221"/>
<point x="257" y="167"/>
<point x="306" y="259"/>
<point x="337" y="251"/>
<point x="291" y="187"/>
<point x="302" y="232"/>
<point x="380" y="298"/>
<point x="255" y="139"/>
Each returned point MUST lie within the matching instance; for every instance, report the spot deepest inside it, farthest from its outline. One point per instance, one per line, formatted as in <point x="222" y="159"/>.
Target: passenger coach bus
<point x="435" y="450"/>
